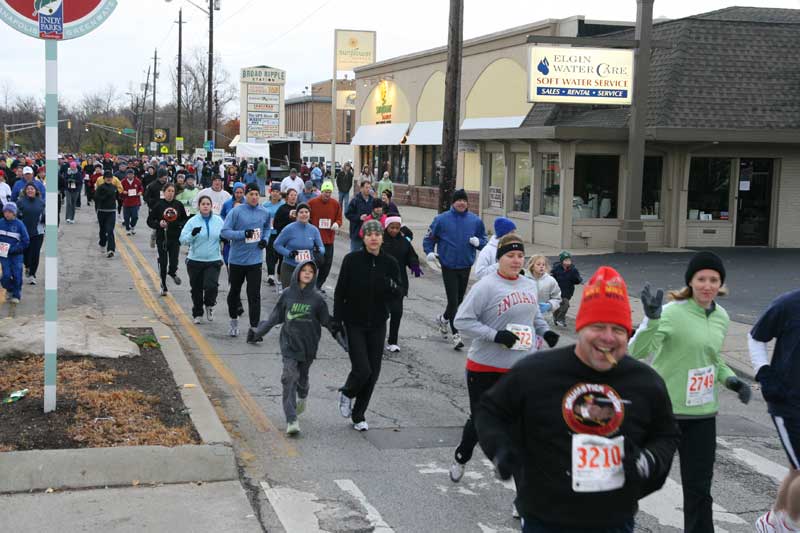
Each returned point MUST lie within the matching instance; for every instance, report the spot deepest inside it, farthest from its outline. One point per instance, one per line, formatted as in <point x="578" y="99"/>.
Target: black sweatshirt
<point x="172" y="232"/>
<point x="402" y="251"/>
<point x="365" y="286"/>
<point x="544" y="400"/>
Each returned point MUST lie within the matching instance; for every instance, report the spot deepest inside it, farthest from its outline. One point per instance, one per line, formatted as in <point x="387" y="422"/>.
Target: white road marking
<point x="760" y="464"/>
<point x="666" y="506"/>
<point x="491" y="529"/>
<point x="296" y="510"/>
<point x="373" y="516"/>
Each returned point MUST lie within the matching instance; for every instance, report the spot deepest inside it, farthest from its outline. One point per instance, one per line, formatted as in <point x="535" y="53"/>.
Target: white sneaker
<point x="293" y="428"/>
<point x="345" y="405"/>
<point x="457" y="344"/>
<point x="772" y="522"/>
<point x="443" y="325"/>
<point x="133" y="231"/>
<point x="361" y="426"/>
<point x="514" y="512"/>
<point x="13" y="301"/>
<point x="301" y="405"/>
<point x="209" y="313"/>
<point x="197" y="320"/>
<point x="457" y="471"/>
<point x="393" y="348"/>
<point x="32" y="280"/>
<point x="234" y="329"/>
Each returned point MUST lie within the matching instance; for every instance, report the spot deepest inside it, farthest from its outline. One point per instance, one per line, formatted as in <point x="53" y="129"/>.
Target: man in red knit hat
<point x="598" y="431"/>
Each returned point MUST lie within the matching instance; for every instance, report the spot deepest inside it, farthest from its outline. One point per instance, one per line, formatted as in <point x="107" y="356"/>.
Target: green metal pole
<point x="51" y="231"/>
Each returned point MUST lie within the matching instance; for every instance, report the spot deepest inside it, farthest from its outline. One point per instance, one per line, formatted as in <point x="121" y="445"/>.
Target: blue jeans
<point x="344" y="199"/>
<point x="131" y="216"/>
<point x="531" y="525"/>
<point x="12" y="275"/>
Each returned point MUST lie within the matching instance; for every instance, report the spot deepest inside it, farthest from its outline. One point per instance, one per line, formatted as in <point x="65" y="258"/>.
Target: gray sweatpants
<point x="560" y="314"/>
<point x="295" y="385"/>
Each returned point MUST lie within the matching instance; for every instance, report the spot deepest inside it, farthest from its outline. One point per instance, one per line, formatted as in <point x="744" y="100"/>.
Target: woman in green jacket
<point x="685" y="339"/>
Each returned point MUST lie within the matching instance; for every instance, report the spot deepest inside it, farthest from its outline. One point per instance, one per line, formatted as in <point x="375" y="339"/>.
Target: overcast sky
<point x="296" y="36"/>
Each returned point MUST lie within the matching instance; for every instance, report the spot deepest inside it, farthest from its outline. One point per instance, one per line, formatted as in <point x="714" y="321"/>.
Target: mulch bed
<point x="101" y="402"/>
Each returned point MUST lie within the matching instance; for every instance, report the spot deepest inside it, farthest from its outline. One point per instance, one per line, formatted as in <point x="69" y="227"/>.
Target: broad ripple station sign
<point x="580" y="75"/>
<point x="55" y="19"/>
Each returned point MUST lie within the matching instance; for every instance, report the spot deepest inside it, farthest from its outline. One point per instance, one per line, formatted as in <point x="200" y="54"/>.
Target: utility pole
<point x="216" y="116"/>
<point x="140" y="123"/>
<point x="180" y="79"/>
<point x="452" y="106"/>
<point x="155" y="77"/>
<point x="210" y="95"/>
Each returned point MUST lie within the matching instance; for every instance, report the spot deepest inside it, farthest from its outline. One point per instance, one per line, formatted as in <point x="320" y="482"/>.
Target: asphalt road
<point x="755" y="276"/>
<point x="394" y="477"/>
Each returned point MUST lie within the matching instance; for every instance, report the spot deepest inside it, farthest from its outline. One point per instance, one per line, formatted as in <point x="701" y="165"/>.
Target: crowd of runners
<point x="585" y="429"/>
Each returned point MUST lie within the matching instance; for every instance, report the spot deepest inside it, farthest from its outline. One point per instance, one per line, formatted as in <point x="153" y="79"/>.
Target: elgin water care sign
<point x="580" y="75"/>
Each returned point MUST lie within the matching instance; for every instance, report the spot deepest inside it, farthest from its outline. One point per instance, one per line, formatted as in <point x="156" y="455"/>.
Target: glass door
<point x="754" y="202"/>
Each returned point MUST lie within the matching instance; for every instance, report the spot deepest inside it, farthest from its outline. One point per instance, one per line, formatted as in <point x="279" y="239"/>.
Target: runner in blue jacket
<point x="204" y="261"/>
<point x="13" y="242"/>
<point x="456" y="235"/>
<point x="247" y="228"/>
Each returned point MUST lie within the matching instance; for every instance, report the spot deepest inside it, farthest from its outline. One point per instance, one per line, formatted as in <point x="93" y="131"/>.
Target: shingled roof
<point x="735" y="68"/>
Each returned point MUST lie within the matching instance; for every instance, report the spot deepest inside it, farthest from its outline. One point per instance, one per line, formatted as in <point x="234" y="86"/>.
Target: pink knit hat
<point x="389" y="220"/>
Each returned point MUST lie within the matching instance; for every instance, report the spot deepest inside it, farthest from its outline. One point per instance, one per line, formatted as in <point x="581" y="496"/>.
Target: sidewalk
<point x="735" y="346"/>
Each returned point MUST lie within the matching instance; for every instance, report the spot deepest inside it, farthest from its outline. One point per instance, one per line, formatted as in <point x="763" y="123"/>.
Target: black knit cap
<point x="705" y="260"/>
<point x="251" y="187"/>
<point x="460" y="194"/>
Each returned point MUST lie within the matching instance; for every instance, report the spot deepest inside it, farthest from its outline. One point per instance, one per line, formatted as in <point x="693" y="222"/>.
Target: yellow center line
<point x="247" y="402"/>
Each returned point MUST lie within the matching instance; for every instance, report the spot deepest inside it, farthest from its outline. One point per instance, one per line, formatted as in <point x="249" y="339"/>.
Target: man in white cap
<point x="27" y="177"/>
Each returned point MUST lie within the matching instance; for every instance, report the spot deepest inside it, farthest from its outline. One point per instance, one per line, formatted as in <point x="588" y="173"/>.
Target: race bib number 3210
<point x="597" y="463"/>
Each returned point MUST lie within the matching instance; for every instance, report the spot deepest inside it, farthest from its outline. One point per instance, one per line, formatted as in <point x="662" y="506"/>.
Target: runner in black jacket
<point x="396" y="245"/>
<point x="368" y="282"/>
<point x="167" y="218"/>
<point x="586" y="430"/>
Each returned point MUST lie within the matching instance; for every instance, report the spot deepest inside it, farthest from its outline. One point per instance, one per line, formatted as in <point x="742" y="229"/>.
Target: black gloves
<point x="196" y="231"/>
<point x="262" y="244"/>
<point x="248" y="233"/>
<point x="293" y="254"/>
<point x="652" y="303"/>
<point x="506" y="338"/>
<point x="639" y="463"/>
<point x="504" y="461"/>
<point x="335" y="326"/>
<point x="739" y="387"/>
<point x="770" y="387"/>
<point x="391" y="285"/>
<point x="551" y="338"/>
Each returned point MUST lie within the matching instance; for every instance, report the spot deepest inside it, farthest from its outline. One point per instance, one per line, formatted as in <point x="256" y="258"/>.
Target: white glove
<point x="474" y="241"/>
<point x="432" y="257"/>
<point x="334" y="226"/>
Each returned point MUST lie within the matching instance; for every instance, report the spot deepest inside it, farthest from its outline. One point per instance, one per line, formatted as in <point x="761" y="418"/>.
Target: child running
<point x="548" y="293"/>
<point x="567" y="276"/>
<point x="302" y="311"/>
<point x="13" y="242"/>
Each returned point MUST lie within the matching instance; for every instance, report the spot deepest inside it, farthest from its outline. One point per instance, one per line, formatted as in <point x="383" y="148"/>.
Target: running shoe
<point x="773" y="522"/>
<point x="133" y="231"/>
<point x="345" y="405"/>
<point x="197" y="320"/>
<point x="301" y="405"/>
<point x="293" y="428"/>
<point x="13" y="301"/>
<point x="392" y="348"/>
<point x="32" y="280"/>
<point x="443" y="325"/>
<point x="209" y="313"/>
<point x="251" y="337"/>
<point x="110" y="254"/>
<point x="234" y="329"/>
<point x="457" y="344"/>
<point x="457" y="471"/>
<point x="271" y="280"/>
<point x="163" y="290"/>
<point x="361" y="426"/>
<point x="175" y="279"/>
<point x="128" y="232"/>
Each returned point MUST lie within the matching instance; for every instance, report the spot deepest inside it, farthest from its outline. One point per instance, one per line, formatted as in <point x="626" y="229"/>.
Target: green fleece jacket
<point x="684" y="340"/>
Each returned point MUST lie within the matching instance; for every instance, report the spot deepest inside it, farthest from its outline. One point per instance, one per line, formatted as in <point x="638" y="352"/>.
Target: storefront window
<point x="651" y="188"/>
<point x="551" y="184"/>
<point x="522" y="183"/>
<point x="431" y="159"/>
<point x="392" y="159"/>
<point x="709" y="188"/>
<point x="497" y="179"/>
<point x="596" y="186"/>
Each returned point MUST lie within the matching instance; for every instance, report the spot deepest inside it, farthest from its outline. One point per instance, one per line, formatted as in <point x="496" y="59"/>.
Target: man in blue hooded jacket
<point x="456" y="235"/>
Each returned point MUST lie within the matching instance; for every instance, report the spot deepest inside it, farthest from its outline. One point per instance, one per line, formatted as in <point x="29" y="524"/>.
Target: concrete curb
<point x="214" y="460"/>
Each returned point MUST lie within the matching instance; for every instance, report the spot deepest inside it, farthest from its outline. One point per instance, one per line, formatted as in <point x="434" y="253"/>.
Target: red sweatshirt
<point x="324" y="215"/>
<point x="132" y="192"/>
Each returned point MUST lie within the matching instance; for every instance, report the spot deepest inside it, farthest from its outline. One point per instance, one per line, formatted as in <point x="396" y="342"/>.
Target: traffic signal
<point x="69" y="124"/>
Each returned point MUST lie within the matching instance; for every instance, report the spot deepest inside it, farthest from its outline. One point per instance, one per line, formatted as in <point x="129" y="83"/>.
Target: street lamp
<point x="213" y="5"/>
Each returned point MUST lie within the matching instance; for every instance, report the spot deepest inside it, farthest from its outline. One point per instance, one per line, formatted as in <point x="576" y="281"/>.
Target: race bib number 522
<point x="597" y="463"/>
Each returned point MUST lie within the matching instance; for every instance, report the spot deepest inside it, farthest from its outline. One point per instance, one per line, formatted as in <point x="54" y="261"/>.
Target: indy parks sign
<point x="53" y="21"/>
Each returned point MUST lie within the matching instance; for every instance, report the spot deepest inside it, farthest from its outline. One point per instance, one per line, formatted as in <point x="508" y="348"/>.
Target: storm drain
<point x="414" y="438"/>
